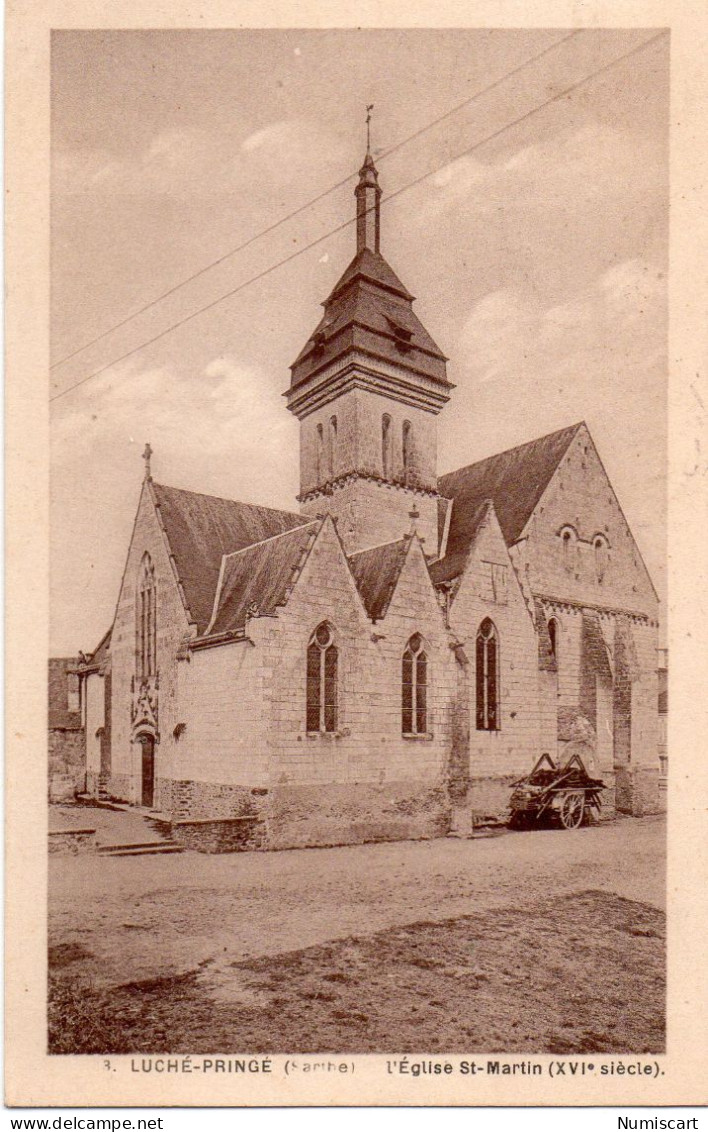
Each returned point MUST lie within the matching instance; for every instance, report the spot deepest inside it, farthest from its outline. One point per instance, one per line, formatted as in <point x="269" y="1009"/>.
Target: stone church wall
<point x="245" y="754"/>
<point x="366" y="781"/>
<point x="172" y="627"/>
<point x="496" y="758"/>
<point x="358" y="446"/>
<point x="220" y="765"/>
<point x="370" y="514"/>
<point x="580" y="499"/>
<point x="614" y="586"/>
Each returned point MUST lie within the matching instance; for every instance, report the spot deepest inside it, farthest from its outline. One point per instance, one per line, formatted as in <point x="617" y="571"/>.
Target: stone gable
<point x="172" y="628"/>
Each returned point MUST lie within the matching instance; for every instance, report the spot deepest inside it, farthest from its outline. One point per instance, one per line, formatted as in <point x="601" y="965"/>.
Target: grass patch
<point x="581" y="973"/>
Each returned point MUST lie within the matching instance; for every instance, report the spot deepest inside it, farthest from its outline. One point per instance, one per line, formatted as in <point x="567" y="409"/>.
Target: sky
<point x="539" y="258"/>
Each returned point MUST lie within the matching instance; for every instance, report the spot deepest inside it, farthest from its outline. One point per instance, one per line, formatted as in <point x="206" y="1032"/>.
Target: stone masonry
<point x="388" y="560"/>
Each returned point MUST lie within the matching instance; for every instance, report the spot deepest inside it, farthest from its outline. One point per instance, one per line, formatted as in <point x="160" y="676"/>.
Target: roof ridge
<point x="571" y="429"/>
<point x="271" y="538"/>
<point x="407" y="542"/>
<point x="378" y="546"/>
<point x="224" y="499"/>
<point x="395" y="285"/>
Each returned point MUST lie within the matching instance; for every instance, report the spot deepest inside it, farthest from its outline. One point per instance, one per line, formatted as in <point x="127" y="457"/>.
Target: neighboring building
<point x="67" y="749"/>
<point x="96" y="683"/>
<point x="387" y="659"/>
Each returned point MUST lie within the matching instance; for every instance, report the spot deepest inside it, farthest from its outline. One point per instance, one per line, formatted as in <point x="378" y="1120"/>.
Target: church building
<point x="382" y="661"/>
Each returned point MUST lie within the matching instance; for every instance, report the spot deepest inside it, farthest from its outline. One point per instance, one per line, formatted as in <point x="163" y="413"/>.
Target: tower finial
<point x="368" y="198"/>
<point x="146" y="457"/>
<point x="369" y="108"/>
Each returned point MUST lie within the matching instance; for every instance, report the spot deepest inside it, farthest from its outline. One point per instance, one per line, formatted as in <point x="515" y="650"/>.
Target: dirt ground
<point x="545" y="941"/>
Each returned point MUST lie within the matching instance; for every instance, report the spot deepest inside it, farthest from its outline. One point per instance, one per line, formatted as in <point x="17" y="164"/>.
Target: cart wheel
<point x="572" y="809"/>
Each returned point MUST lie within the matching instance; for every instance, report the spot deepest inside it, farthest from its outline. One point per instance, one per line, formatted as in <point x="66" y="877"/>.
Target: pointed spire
<point x="368" y="198"/>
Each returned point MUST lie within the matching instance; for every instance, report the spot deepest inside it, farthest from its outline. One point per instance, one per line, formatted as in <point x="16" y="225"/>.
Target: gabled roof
<point x="201" y="529"/>
<point x="514" y="481"/>
<point x="93" y="662"/>
<point x="262" y="574"/>
<point x="376" y="572"/>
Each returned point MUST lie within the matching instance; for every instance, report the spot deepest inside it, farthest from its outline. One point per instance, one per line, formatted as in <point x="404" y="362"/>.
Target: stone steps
<point x="140" y="849"/>
<point x="100" y="803"/>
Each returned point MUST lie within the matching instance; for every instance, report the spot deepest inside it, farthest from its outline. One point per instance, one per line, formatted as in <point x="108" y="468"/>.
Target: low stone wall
<point x="195" y="800"/>
<point x="72" y="842"/>
<point x="355" y="813"/>
<point x="220" y="835"/>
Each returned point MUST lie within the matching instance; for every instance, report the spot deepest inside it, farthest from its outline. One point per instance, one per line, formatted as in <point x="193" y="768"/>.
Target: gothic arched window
<point x="553" y="636"/>
<point x="568" y="539"/>
<point x="414" y="688"/>
<point x="321" y="699"/>
<point x="600" y="549"/>
<point x="406" y="447"/>
<point x="320" y="454"/>
<point x="332" y="445"/>
<point x="487" y="677"/>
<point x="146" y="619"/>
<point x="386" y="446"/>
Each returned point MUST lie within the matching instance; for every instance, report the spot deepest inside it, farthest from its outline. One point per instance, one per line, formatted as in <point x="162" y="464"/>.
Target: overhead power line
<point x="308" y="204"/>
<point x="391" y="196"/>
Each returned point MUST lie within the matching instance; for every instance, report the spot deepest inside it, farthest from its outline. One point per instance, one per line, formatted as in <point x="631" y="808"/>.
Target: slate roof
<point x="95" y="659"/>
<point x="201" y="529"/>
<point x="370" y="309"/>
<point x="455" y="559"/>
<point x="513" y="481"/>
<point x="371" y="265"/>
<point x="376" y="572"/>
<point x="262" y="573"/>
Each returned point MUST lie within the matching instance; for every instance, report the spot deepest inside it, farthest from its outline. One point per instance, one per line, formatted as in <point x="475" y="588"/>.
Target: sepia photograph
<point x="358" y="652"/>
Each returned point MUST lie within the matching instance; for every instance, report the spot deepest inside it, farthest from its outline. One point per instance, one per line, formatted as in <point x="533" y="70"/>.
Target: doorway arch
<point x="147" y="767"/>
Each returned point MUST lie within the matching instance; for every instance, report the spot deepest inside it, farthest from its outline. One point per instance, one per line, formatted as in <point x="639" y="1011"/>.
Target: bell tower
<point x="367" y="388"/>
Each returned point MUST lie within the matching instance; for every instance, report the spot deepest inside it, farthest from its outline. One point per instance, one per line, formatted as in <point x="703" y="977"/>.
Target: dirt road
<point x="151" y="917"/>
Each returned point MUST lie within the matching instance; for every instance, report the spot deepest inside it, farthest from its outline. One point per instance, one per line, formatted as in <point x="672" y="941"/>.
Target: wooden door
<point x="148" y="794"/>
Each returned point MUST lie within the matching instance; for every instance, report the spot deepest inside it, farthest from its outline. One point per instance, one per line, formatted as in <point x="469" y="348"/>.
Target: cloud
<point x="614" y="326"/>
<point x="225" y="410"/>
<point x="195" y="161"/>
<point x="594" y="161"/>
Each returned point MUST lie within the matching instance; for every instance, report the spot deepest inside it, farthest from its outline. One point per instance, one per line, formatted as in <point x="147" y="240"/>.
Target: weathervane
<point x="146" y="457"/>
<point x="369" y="108"/>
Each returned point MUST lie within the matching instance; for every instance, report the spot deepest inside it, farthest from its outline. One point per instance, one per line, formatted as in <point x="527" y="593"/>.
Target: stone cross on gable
<point x="146" y="457"/>
<point x="414" y="515"/>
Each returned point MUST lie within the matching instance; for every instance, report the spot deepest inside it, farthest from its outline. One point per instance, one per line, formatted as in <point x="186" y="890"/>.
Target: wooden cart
<point x="551" y="794"/>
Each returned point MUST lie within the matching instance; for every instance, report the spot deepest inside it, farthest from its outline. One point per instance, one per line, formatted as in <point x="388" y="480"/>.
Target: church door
<point x="148" y="794"/>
